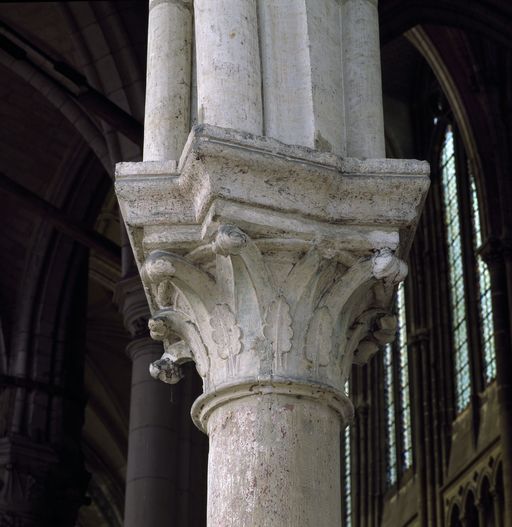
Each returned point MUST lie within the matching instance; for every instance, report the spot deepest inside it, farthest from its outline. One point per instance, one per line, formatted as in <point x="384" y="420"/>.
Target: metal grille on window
<point x="455" y="271"/>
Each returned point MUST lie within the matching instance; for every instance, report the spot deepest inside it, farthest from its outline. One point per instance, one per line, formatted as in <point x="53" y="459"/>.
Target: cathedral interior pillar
<point x="362" y="79"/>
<point x="271" y="265"/>
<point x="167" y="112"/>
<point x="151" y="473"/>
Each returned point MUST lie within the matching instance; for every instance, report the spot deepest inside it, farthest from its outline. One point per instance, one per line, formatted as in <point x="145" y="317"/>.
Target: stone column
<point x="498" y="513"/>
<point x="273" y="321"/>
<point x="228" y="64"/>
<point x="481" y="513"/>
<point x="274" y="459"/>
<point x="362" y="79"/>
<point x="168" y="79"/>
<point x="151" y="477"/>
<point x="271" y="266"/>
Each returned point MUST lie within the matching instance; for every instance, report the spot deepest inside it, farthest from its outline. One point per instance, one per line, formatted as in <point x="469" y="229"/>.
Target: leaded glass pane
<point x="456" y="273"/>
<point x="403" y="379"/>
<point x="347" y="474"/>
<point x="389" y="400"/>
<point x="484" y="287"/>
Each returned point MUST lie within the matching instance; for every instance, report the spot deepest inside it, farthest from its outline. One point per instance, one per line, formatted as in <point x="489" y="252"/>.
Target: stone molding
<point x="225" y="176"/>
<point x="205" y="405"/>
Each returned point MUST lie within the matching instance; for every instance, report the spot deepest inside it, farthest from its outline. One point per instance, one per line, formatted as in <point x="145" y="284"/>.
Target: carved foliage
<point x="387" y="267"/>
<point x="229" y="240"/>
<point x="157" y="271"/>
<point x="319" y="338"/>
<point x="278" y="328"/>
<point x="225" y="331"/>
<point x="243" y="319"/>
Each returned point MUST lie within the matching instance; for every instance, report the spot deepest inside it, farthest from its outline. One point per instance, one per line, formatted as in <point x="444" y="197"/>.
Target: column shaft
<point x="362" y="79"/>
<point x="167" y="118"/>
<point x="498" y="513"/>
<point x="228" y="64"/>
<point x="274" y="461"/>
<point x="288" y="103"/>
<point x="151" y="476"/>
<point x="301" y="69"/>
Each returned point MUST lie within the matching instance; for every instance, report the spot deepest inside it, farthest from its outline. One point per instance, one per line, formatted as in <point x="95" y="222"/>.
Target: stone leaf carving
<point x="229" y="240"/>
<point x="386" y="266"/>
<point x="225" y="331"/>
<point x="157" y="270"/>
<point x="378" y="328"/>
<point x="365" y="351"/>
<point x="169" y="323"/>
<point x="278" y="327"/>
<point x="386" y="329"/>
<point x="319" y="338"/>
<point x="315" y="294"/>
<point x="158" y="329"/>
<point x="163" y="294"/>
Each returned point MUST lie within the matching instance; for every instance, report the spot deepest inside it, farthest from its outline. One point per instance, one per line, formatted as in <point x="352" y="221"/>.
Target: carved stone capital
<point x="273" y="264"/>
<point x="250" y="315"/>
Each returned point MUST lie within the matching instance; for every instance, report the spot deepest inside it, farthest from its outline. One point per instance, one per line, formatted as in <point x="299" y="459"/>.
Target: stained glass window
<point x="398" y="408"/>
<point x="455" y="271"/>
<point x="484" y="290"/>
<point x="403" y="380"/>
<point x="389" y="389"/>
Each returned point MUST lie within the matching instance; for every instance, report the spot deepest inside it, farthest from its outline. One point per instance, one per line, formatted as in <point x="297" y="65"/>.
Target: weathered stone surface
<point x="230" y="177"/>
<point x="167" y="111"/>
<point x="270" y="458"/>
<point x="271" y="266"/>
<point x="270" y="261"/>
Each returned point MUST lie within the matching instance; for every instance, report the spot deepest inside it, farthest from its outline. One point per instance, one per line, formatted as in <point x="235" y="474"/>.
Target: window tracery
<point x="452" y="223"/>
<point x="462" y="249"/>
<point x="484" y="290"/>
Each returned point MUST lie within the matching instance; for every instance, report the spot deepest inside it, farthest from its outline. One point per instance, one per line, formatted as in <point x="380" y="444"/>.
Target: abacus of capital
<point x="268" y="252"/>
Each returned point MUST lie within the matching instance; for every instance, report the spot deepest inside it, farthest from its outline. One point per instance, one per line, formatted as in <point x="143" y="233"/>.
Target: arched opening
<point x="487" y="505"/>
<point x="499" y="507"/>
<point x="471" y="512"/>
<point x="455" y="517"/>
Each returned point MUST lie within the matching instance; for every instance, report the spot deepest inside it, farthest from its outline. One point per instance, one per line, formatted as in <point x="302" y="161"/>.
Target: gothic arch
<point x="469" y="510"/>
<point x="446" y="16"/>
<point x="398" y="16"/>
<point x="453" y="518"/>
